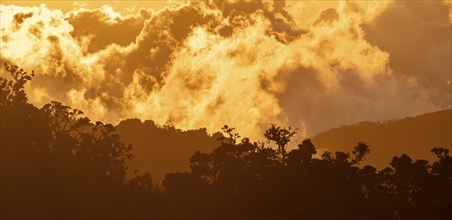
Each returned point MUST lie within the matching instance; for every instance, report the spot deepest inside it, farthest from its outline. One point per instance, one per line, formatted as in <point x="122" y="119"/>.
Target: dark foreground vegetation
<point x="56" y="164"/>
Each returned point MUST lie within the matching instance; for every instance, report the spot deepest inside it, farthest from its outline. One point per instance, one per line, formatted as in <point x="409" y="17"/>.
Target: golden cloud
<point x="313" y="65"/>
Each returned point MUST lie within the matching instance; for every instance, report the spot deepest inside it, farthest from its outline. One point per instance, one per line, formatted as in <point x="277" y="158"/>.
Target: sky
<point x="313" y="65"/>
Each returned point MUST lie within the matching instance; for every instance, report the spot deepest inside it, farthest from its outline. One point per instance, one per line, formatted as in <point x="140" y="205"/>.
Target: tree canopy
<point x="57" y="164"/>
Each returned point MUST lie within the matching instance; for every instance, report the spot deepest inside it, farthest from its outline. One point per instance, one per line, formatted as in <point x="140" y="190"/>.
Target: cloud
<point x="418" y="38"/>
<point x="313" y="65"/>
<point x="220" y="81"/>
<point x="44" y="43"/>
<point x="99" y="28"/>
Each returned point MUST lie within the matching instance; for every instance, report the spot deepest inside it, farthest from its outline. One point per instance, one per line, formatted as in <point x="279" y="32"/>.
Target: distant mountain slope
<point x="160" y="150"/>
<point x="415" y="136"/>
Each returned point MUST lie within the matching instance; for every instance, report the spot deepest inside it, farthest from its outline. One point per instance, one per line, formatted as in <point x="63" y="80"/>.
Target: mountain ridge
<point x="160" y="149"/>
<point x="415" y="136"/>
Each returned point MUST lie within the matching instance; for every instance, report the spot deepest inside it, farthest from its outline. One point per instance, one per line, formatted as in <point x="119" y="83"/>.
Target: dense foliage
<point x="57" y="164"/>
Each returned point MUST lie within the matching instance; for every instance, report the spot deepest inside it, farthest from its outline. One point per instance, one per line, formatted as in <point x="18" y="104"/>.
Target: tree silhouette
<point x="60" y="116"/>
<point x="56" y="164"/>
<point x="307" y="150"/>
<point x="281" y="137"/>
<point x="53" y="162"/>
<point x="360" y="151"/>
<point x="303" y="154"/>
<point x="231" y="137"/>
<point x="12" y="91"/>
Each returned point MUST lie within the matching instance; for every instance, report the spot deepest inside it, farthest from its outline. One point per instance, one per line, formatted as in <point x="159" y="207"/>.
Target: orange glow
<point x="243" y="63"/>
<point x="123" y="7"/>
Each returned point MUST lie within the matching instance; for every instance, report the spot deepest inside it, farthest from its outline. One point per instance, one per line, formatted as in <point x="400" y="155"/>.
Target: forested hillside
<point x="162" y="149"/>
<point x="414" y="136"/>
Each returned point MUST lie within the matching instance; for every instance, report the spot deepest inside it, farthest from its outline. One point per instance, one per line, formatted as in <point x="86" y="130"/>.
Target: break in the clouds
<point x="312" y="65"/>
